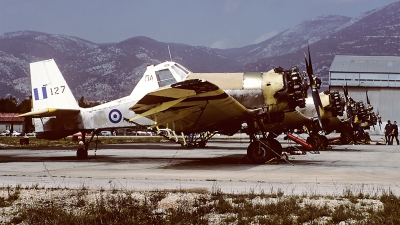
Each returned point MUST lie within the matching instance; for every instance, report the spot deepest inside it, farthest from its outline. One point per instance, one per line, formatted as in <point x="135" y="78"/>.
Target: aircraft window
<point x="165" y="77"/>
<point x="182" y="72"/>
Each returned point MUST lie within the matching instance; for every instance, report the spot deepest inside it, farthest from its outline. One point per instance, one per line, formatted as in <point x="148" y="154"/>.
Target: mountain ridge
<point x="108" y="71"/>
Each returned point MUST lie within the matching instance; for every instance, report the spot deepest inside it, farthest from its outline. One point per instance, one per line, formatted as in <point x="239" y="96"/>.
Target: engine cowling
<point x="294" y="90"/>
<point x="336" y="103"/>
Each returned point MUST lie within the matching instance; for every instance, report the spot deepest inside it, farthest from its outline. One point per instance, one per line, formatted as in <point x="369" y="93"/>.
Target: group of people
<point x="391" y="132"/>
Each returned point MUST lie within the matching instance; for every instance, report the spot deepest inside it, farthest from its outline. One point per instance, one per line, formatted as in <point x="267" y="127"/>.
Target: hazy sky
<point x="211" y="23"/>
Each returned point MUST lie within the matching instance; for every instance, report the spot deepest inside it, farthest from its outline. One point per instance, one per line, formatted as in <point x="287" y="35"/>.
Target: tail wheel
<point x="82" y="153"/>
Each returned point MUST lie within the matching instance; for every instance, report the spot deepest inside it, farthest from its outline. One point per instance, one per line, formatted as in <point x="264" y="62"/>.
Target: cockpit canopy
<point x="170" y="72"/>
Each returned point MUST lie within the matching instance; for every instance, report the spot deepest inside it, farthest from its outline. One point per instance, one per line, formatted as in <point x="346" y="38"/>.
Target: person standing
<point x="395" y="132"/>
<point x="388" y="132"/>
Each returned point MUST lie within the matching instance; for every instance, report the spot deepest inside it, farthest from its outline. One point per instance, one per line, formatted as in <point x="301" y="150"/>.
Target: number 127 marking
<point x="57" y="90"/>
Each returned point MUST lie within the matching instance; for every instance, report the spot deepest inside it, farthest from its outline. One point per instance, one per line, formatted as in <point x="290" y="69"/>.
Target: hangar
<point x="379" y="75"/>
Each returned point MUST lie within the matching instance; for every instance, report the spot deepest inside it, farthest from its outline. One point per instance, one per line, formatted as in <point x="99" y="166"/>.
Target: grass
<point x="34" y="205"/>
<point x="14" y="142"/>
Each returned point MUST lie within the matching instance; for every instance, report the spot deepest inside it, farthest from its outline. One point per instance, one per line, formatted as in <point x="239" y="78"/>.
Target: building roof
<point x="366" y="64"/>
<point x="10" y="117"/>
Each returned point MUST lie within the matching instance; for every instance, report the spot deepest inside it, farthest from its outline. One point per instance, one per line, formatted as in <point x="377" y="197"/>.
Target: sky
<point x="211" y="23"/>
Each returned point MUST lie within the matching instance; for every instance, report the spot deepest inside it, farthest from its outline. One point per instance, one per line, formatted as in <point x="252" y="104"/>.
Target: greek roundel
<point x="115" y="116"/>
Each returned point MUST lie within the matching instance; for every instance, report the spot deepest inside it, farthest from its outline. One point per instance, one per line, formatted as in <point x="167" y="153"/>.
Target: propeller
<point x="314" y="88"/>
<point x="346" y="92"/>
<point x="375" y="117"/>
<point x="379" y="118"/>
<point x="349" y="108"/>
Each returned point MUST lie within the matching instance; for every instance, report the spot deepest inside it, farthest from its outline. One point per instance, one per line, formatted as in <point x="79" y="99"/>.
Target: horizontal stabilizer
<point x="49" y="112"/>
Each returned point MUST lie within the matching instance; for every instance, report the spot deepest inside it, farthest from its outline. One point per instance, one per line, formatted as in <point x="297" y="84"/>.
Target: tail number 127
<point x="57" y="90"/>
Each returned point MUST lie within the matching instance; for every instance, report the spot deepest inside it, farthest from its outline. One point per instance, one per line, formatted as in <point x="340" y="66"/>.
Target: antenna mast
<point x="170" y="57"/>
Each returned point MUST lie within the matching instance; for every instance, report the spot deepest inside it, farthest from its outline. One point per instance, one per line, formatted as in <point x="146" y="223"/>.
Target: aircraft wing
<point x="191" y="106"/>
<point x="48" y="112"/>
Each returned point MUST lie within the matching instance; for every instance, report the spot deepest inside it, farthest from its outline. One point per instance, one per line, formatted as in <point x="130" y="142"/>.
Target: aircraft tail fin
<point x="49" y="88"/>
<point x="149" y="82"/>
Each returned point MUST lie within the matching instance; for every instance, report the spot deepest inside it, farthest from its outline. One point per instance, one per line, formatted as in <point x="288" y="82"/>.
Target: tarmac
<point x="221" y="165"/>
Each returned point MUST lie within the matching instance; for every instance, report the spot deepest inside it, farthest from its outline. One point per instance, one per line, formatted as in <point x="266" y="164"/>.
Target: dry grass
<point x="35" y="205"/>
<point x="14" y="142"/>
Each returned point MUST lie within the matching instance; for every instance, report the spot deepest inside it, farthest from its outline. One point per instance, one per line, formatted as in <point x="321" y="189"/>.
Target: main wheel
<point x="276" y="148"/>
<point x="325" y="142"/>
<point x="345" y="138"/>
<point x="81" y="153"/>
<point x="313" y="142"/>
<point x="257" y="152"/>
<point x="202" y="144"/>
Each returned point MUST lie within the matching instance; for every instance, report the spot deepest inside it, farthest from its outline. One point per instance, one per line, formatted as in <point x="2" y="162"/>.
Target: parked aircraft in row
<point x="171" y="97"/>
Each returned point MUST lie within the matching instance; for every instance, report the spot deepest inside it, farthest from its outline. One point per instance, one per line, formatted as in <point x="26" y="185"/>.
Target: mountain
<point x="109" y="71"/>
<point x="373" y="33"/>
<point x="96" y="71"/>
<point x="288" y="41"/>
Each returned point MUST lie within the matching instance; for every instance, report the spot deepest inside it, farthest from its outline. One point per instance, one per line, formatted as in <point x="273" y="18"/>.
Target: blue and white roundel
<point x="115" y="116"/>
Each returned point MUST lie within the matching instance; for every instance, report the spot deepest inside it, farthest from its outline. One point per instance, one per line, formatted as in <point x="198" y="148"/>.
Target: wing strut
<point x="201" y="113"/>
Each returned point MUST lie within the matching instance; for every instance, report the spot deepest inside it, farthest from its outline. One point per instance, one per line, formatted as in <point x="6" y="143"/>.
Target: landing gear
<point x="200" y="139"/>
<point x="319" y="142"/>
<point x="324" y="142"/>
<point x="257" y="152"/>
<point x="82" y="153"/>
<point x="263" y="150"/>
<point x="202" y="144"/>
<point x="192" y="140"/>
<point x="313" y="142"/>
<point x="345" y="138"/>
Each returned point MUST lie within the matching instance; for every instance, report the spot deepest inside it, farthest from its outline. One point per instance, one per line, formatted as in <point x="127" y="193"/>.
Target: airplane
<point x="362" y="117"/>
<point x="191" y="113"/>
<point x="337" y="115"/>
<point x="347" y="116"/>
<point x="330" y="114"/>
<point x="56" y="113"/>
<point x="263" y="102"/>
<point x="271" y="98"/>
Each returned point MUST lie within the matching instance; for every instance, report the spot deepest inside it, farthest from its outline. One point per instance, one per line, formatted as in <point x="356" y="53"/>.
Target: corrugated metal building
<point x="380" y="75"/>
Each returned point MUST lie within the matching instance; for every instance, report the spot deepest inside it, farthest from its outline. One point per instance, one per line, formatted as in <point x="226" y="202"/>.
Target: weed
<point x="391" y="212"/>
<point x="157" y="196"/>
<point x="345" y="212"/>
<point x="85" y="206"/>
<point x="13" y="143"/>
<point x="12" y="196"/>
